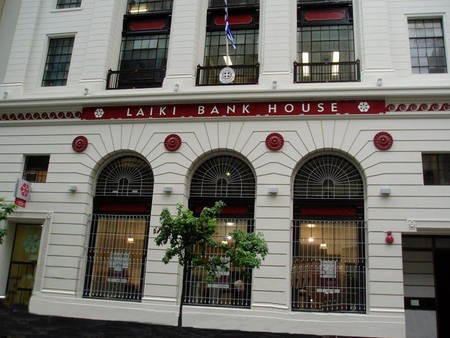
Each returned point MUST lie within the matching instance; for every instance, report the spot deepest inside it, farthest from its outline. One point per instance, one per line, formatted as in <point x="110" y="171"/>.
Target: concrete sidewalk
<point x="17" y="322"/>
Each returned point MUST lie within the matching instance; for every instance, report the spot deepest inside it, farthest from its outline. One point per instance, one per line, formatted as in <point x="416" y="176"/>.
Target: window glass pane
<point x="328" y="271"/>
<point x="116" y="258"/>
<point x="149" y="6"/>
<point x="58" y="58"/>
<point x="229" y="288"/>
<point x="436" y="169"/>
<point x="426" y="40"/>
<point x="35" y="168"/>
<point x="68" y="3"/>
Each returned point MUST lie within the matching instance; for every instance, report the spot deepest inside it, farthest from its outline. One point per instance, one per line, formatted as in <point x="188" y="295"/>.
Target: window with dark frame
<point x="68" y="4"/>
<point x="243" y="17"/>
<point x="36" y="168"/>
<point x="231" y="180"/>
<point x="325" y="42"/>
<point x="117" y="250"/>
<point x="145" y="41"/>
<point x="328" y="237"/>
<point x="58" y="62"/>
<point x="427" y="47"/>
<point x="436" y="169"/>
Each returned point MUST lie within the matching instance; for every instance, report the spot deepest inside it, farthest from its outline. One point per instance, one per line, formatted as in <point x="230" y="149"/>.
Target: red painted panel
<point x="231" y="210"/>
<point x="325" y="15"/>
<point x="328" y="211"/>
<point x="141" y="25"/>
<point x="243" y="19"/>
<point x="120" y="207"/>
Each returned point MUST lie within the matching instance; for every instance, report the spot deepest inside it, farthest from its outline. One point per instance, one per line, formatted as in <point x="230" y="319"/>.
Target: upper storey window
<point x="68" y="3"/>
<point x="149" y="6"/>
<point x="145" y="41"/>
<point x="58" y="62"/>
<point x="426" y="43"/>
<point x="243" y="22"/>
<point x="325" y="42"/>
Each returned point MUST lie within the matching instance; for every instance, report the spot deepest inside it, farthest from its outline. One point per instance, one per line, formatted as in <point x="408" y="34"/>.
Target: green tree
<point x="5" y="210"/>
<point x="188" y="237"/>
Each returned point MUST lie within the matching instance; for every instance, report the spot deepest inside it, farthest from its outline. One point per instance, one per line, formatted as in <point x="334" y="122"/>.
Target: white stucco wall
<point x="381" y="39"/>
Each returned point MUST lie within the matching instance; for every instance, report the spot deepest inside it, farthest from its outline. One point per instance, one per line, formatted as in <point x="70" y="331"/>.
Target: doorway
<point x="23" y="264"/>
<point x="441" y="259"/>
<point x="426" y="280"/>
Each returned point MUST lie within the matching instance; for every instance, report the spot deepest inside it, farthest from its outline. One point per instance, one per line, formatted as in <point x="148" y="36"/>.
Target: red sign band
<point x="235" y="109"/>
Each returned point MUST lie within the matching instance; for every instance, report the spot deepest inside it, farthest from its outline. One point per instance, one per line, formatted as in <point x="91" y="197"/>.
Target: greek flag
<point x="230" y="35"/>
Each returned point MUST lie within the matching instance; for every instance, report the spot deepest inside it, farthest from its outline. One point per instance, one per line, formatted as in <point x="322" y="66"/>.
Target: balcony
<point x="327" y="72"/>
<point x="137" y="78"/>
<point x="209" y="75"/>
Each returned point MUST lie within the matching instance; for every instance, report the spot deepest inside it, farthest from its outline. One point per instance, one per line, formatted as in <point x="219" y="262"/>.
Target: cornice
<point x="74" y="103"/>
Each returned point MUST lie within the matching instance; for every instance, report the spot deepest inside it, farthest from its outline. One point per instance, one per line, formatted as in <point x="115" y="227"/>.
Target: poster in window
<point x="118" y="267"/>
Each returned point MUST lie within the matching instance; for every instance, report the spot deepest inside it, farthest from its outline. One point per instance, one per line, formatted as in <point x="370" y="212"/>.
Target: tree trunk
<point x="183" y="291"/>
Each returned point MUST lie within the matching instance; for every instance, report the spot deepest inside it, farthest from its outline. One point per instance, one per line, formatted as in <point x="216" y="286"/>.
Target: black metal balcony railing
<point x="327" y="72"/>
<point x="138" y="78"/>
<point x="209" y="75"/>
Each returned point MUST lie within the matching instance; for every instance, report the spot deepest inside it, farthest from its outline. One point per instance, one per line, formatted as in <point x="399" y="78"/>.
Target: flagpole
<point x="227" y="62"/>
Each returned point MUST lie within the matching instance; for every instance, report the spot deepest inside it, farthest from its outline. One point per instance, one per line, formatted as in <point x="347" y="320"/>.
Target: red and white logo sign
<point x="23" y="192"/>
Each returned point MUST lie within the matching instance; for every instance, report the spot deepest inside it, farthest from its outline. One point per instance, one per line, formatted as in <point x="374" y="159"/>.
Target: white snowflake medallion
<point x="99" y="112"/>
<point x="363" y="107"/>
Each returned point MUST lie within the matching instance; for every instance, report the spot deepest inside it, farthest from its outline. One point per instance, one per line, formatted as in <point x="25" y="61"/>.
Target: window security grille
<point x="328" y="266"/>
<point x="35" y="169"/>
<point x="222" y="177"/>
<point x="116" y="257"/>
<point x="68" y="3"/>
<point x="328" y="177"/>
<point x="126" y="176"/>
<point x="230" y="288"/>
<point x="58" y="62"/>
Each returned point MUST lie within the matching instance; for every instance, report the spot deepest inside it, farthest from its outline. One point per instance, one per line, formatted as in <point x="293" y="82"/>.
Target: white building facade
<point x="327" y="130"/>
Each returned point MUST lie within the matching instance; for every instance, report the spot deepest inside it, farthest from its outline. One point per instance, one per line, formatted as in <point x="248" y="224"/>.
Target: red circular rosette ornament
<point x="79" y="144"/>
<point x="383" y="140"/>
<point x="172" y="142"/>
<point x="274" y="141"/>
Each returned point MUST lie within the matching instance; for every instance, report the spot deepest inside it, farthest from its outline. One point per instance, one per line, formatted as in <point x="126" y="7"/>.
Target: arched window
<point x="119" y="232"/>
<point x="328" y="265"/>
<point x="231" y="180"/>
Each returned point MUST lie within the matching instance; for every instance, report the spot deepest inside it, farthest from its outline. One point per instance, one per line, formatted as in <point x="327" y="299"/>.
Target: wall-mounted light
<point x="73" y="188"/>
<point x="167" y="190"/>
<point x="86" y="91"/>
<point x="379" y="82"/>
<point x="274" y="84"/>
<point x="176" y="87"/>
<point x="385" y="191"/>
<point x="272" y="191"/>
<point x="5" y="95"/>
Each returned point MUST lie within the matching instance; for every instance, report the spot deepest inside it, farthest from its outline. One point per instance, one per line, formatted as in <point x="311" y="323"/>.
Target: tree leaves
<point x="5" y="210"/>
<point x="188" y="237"/>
